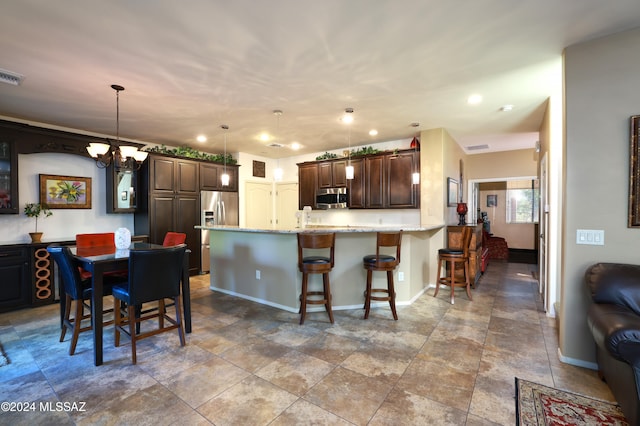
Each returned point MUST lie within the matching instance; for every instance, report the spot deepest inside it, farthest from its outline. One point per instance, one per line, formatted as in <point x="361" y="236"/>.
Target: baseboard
<point x="577" y="362"/>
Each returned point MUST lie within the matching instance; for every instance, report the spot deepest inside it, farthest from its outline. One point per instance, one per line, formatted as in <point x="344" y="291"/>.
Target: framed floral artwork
<point x="65" y="192"/>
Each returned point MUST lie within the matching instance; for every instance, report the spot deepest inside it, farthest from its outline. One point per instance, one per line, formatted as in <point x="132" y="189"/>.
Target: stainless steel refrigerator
<point x="218" y="208"/>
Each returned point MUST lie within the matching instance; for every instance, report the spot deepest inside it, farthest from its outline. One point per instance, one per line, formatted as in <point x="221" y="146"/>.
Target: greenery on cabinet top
<point x="359" y="153"/>
<point x="188" y="152"/>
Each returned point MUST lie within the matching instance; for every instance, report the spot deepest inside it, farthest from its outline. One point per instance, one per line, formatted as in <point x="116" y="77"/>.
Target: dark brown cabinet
<point x="8" y="178"/>
<point x="332" y="174"/>
<point x="307" y="184"/>
<point x="210" y="177"/>
<point x="15" y="285"/>
<point x="169" y="200"/>
<point x="381" y="181"/>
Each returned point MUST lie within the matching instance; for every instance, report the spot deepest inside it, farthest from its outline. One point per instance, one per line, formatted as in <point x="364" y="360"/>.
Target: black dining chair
<point x="76" y="290"/>
<point x="154" y="275"/>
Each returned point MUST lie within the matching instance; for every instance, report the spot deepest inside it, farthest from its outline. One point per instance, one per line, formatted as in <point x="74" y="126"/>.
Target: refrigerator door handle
<point x="224" y="213"/>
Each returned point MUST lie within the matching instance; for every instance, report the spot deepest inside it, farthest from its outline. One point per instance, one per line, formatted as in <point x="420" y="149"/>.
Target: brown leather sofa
<point x="614" y="321"/>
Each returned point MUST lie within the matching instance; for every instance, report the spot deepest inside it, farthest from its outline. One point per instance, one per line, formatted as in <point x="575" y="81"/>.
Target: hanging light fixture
<point x="125" y="157"/>
<point x="225" y="176"/>
<point x="277" y="172"/>
<point x="415" y="143"/>
<point x="348" y="118"/>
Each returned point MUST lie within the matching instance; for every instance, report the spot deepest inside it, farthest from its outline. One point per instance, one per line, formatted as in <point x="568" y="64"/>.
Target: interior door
<point x="286" y="205"/>
<point x="544" y="231"/>
<point x="258" y="205"/>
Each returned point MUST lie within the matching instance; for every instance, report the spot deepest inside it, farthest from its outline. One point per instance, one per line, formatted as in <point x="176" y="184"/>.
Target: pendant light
<point x="277" y="172"/>
<point x="415" y="177"/>
<point x="349" y="119"/>
<point x="225" y="176"/>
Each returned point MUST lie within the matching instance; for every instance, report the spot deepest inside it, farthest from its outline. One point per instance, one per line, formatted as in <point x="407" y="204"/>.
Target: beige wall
<point x="601" y="80"/>
<point x="503" y="164"/>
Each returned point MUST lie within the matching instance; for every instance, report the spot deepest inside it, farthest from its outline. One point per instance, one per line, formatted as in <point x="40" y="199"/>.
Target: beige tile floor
<point x="248" y="364"/>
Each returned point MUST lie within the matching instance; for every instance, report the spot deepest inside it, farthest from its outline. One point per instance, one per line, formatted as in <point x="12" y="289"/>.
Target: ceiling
<point x="190" y="67"/>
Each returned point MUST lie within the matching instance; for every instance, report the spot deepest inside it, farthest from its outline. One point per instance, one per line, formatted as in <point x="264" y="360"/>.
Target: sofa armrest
<point x="615" y="283"/>
<point x="616" y="329"/>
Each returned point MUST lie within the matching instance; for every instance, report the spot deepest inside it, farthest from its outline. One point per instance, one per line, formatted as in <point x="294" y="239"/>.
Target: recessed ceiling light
<point x="506" y="108"/>
<point x="201" y="138"/>
<point x="373" y="132"/>
<point x="348" y="116"/>
<point x="295" y="146"/>
<point x="474" y="99"/>
<point x="264" y="137"/>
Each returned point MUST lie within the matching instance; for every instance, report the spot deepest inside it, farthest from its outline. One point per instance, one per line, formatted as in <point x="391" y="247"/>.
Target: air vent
<point x="10" y="77"/>
<point x="477" y="147"/>
<point x="275" y="145"/>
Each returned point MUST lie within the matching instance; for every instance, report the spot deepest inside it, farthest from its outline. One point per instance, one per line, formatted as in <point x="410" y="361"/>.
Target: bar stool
<point x="382" y="262"/>
<point x="451" y="257"/>
<point x="315" y="264"/>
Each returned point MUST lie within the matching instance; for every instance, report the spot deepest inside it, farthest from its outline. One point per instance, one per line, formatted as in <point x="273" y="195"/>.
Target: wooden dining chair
<point x="153" y="276"/>
<point x="76" y="290"/>
<point x="386" y="263"/>
<point x="450" y="257"/>
<point x="93" y="241"/>
<point x="316" y="264"/>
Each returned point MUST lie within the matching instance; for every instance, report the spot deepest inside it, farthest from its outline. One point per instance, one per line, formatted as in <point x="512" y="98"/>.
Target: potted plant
<point x="35" y="210"/>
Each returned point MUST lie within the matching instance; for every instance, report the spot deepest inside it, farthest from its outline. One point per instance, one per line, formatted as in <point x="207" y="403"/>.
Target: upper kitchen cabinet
<point x="210" y="177"/>
<point x="332" y="174"/>
<point x="307" y="184"/>
<point x="401" y="192"/>
<point x="8" y="178"/>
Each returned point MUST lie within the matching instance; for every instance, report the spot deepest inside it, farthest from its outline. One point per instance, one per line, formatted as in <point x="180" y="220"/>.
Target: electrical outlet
<point x="400" y="276"/>
<point x="257" y="274"/>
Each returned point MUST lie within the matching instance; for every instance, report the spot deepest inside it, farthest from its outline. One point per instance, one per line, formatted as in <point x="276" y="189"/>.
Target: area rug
<point x="538" y="405"/>
<point x="4" y="359"/>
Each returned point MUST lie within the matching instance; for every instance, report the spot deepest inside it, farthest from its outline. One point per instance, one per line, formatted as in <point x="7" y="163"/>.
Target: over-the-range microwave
<point x="332" y="198"/>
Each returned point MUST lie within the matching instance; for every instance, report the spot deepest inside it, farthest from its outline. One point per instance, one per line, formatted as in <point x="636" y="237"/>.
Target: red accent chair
<point x="174" y="239"/>
<point x="498" y="247"/>
<point x="87" y="242"/>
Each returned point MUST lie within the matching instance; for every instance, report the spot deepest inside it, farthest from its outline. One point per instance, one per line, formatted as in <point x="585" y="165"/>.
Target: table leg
<point x="96" y="312"/>
<point x="186" y="293"/>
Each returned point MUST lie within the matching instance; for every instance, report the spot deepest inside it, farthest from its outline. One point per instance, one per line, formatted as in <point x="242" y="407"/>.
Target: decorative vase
<point x="462" y="213"/>
<point x="122" y="238"/>
<point x="36" y="237"/>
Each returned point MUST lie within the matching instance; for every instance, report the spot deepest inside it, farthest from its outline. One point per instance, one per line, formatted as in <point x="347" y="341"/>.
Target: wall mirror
<point x="122" y="190"/>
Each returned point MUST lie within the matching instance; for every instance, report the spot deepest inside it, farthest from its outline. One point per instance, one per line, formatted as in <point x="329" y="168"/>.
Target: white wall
<point x="65" y="223"/>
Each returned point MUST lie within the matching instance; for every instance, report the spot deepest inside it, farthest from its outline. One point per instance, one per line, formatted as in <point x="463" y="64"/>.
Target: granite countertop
<point x="327" y="228"/>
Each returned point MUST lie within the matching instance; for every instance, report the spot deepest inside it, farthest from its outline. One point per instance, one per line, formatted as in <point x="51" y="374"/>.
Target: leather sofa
<point x="614" y="321"/>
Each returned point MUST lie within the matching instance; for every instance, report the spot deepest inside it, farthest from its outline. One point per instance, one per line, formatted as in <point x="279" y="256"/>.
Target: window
<point x="523" y="200"/>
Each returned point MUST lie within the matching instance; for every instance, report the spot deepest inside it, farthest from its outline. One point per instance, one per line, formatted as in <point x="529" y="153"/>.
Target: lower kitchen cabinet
<point x="15" y="285"/>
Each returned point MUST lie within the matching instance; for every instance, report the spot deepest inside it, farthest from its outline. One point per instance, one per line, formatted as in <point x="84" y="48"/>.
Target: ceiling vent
<point x="477" y="147"/>
<point x="10" y="77"/>
<point x="275" y="145"/>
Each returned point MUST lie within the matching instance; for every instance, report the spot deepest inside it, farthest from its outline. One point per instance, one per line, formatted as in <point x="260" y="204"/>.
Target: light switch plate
<point x="594" y="237"/>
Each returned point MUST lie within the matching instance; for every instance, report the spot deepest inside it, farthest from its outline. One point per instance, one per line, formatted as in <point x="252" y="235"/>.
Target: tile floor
<point x="248" y="364"/>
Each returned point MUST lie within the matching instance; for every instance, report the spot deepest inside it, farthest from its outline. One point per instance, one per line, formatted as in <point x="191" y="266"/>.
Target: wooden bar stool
<point x="451" y="257"/>
<point x="315" y="264"/>
<point x="382" y="262"/>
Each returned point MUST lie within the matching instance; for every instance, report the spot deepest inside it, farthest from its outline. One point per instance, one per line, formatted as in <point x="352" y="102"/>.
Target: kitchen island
<point x="261" y="264"/>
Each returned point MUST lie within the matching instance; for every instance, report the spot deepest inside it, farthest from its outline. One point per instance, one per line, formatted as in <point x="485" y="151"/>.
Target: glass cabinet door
<point x="8" y="178"/>
<point x="122" y="188"/>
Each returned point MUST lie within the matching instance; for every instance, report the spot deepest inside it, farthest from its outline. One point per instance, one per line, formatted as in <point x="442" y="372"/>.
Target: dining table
<point x="99" y="260"/>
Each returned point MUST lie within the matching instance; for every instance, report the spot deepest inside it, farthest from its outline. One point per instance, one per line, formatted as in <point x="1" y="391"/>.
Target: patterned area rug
<point x="538" y="405"/>
<point x="4" y="359"/>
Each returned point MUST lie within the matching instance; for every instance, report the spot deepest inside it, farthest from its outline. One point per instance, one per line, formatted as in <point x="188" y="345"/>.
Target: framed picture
<point x="258" y="169"/>
<point x="634" y="174"/>
<point x="492" y="200"/>
<point x="452" y="192"/>
<point x="65" y="192"/>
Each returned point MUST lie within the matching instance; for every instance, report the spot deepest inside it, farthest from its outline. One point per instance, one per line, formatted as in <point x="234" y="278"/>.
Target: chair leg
<point x="453" y="281"/>
<point x="65" y="320"/>
<point x="77" y="322"/>
<point x="176" y="302"/>
<point x="392" y="294"/>
<point x="438" y="279"/>
<point x="131" y="310"/>
<point x="303" y="298"/>
<point x="327" y="295"/>
<point x="161" y="312"/>
<point x="117" y="321"/>
<point x="367" y="300"/>
<point x="467" y="279"/>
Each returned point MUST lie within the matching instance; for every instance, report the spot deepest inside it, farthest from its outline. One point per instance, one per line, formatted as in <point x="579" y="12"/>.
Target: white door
<point x="258" y="205"/>
<point x="286" y="205"/>
<point x="543" y="211"/>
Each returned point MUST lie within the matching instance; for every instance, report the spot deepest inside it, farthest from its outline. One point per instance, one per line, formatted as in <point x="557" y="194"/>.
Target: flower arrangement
<point x="70" y="191"/>
<point x="37" y="209"/>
